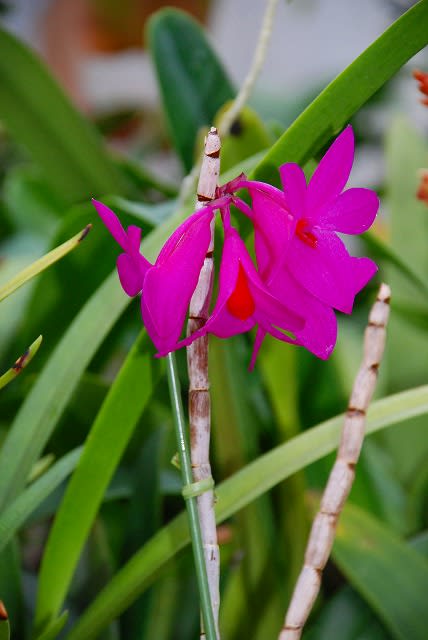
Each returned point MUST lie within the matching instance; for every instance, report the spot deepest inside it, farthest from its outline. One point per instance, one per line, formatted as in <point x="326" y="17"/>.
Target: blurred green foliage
<point x="116" y="558"/>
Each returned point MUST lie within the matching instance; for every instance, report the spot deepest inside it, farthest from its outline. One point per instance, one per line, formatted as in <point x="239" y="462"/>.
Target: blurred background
<point x="52" y="162"/>
<point x="96" y="49"/>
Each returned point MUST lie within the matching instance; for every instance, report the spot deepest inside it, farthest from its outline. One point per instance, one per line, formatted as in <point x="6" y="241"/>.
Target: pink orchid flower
<point x="319" y="332"/>
<point x="296" y="229"/>
<point x="168" y="285"/>
<point x="243" y="300"/>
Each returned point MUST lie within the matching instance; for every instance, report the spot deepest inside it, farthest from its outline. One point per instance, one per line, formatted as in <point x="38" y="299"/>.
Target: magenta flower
<point x="295" y="229"/>
<point x="243" y="300"/>
<point x="168" y="285"/>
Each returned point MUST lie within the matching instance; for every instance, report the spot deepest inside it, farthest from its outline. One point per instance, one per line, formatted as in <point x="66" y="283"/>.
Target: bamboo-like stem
<point x="199" y="395"/>
<point x="191" y="504"/>
<point x="342" y="475"/>
<point x="256" y="66"/>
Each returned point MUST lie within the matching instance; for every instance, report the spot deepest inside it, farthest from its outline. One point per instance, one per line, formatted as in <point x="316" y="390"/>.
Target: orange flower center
<point x="241" y="303"/>
<point x="303" y="233"/>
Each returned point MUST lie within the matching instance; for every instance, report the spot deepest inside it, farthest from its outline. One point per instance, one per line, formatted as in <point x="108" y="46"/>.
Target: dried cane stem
<point x="199" y="395"/>
<point x="342" y="475"/>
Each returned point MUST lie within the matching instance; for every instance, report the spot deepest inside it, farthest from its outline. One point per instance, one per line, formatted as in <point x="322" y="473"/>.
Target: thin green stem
<point x="191" y="504"/>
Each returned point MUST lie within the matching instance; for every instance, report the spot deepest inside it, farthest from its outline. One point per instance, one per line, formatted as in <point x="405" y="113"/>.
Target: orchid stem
<point x="191" y="502"/>
<point x="342" y="475"/>
<point x="199" y="394"/>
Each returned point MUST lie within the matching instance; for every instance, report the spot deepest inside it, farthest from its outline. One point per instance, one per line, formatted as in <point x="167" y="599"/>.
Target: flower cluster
<point x="304" y="271"/>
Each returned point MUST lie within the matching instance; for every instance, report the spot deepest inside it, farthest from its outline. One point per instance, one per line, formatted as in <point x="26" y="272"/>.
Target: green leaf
<point x="385" y="570"/>
<point x="349" y="613"/>
<point x="55" y="628"/>
<point x="42" y="263"/>
<point x="49" y="396"/>
<point x="333" y="108"/>
<point x="233" y="494"/>
<point x="102" y="452"/>
<point x="21" y="508"/>
<point x="31" y="201"/>
<point x="380" y="250"/>
<point x="43" y="119"/>
<point x="192" y="80"/>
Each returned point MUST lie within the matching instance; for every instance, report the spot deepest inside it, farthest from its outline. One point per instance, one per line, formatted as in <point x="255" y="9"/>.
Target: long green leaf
<point x="42" y="263"/>
<point x="17" y="513"/>
<point x="193" y="82"/>
<point x="44" y="120"/>
<point x="233" y="494"/>
<point x="102" y="451"/>
<point x="49" y="396"/>
<point x="386" y="571"/>
<point x="333" y="108"/>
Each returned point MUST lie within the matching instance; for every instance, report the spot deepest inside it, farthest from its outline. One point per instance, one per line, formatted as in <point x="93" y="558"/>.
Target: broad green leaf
<point x="21" y="508"/>
<point x="233" y="494"/>
<point x="20" y="363"/>
<point x="102" y="452"/>
<point x="192" y="80"/>
<point x="60" y="140"/>
<point x="333" y="108"/>
<point x="385" y="570"/>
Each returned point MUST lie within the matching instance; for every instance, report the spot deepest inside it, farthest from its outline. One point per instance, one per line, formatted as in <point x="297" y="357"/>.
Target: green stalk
<point x="192" y="509"/>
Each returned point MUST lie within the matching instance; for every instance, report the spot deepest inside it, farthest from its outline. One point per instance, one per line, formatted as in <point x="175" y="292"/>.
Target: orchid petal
<point x="169" y="285"/>
<point x="112" y="223"/>
<point x="352" y="212"/>
<point x="273" y="227"/>
<point x="181" y="233"/>
<point x="258" y="340"/>
<point x="134" y="238"/>
<point x="320" y="330"/>
<point x="130" y="276"/>
<point x="332" y="173"/>
<point x="364" y="270"/>
<point x="294" y="185"/>
<point x="327" y="271"/>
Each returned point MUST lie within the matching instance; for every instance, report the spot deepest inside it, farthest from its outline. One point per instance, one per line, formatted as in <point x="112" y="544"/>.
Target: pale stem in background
<point x="256" y="66"/>
<point x="342" y="475"/>
<point x="188" y="184"/>
<point x="197" y="362"/>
